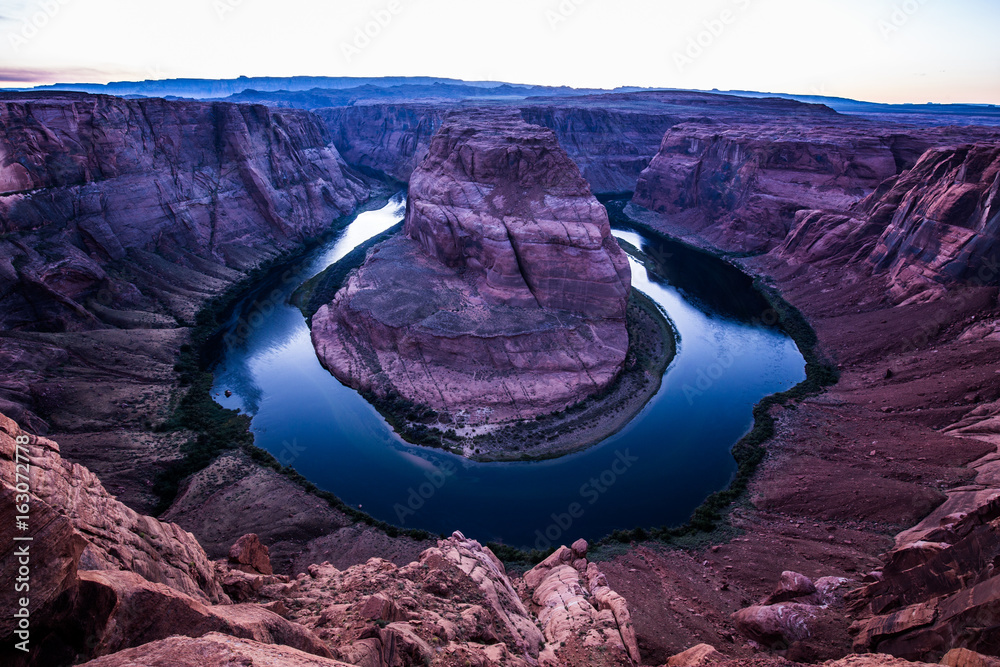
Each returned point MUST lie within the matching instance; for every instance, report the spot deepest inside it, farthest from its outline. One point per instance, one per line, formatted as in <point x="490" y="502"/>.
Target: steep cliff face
<point x="89" y="181"/>
<point x="611" y="137"/>
<point x="392" y="139"/>
<point x="500" y="200"/>
<point x="118" y="220"/>
<point x="611" y="146"/>
<point x="932" y="227"/>
<point x="941" y="222"/>
<point x="741" y="185"/>
<point x="507" y="297"/>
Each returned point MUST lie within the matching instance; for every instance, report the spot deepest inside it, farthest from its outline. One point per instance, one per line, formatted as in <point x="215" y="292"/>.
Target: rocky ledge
<point x="118" y="588"/>
<point x="505" y="299"/>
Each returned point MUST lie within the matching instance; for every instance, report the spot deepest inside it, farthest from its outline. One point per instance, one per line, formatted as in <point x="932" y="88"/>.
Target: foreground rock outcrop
<point x="578" y="611"/>
<point x="507" y="297"/>
<point x="103" y="578"/>
<point x="940" y="587"/>
<point x="113" y="592"/>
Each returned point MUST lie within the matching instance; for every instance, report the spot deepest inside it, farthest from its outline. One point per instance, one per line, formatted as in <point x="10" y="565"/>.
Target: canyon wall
<point x="741" y="185"/>
<point x="932" y="227"/>
<point x="89" y="181"/>
<point x="611" y="137"/>
<point x="119" y="219"/>
<point x="941" y="222"/>
<point x="917" y="205"/>
<point x="506" y="298"/>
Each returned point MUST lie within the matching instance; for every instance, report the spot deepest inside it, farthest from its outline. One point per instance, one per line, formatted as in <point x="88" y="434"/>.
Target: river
<point x="652" y="473"/>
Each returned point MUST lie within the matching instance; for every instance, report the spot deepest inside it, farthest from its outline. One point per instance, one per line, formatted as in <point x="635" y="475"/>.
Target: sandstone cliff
<point x="126" y="589"/>
<point x="118" y="220"/>
<point x="932" y="227"/>
<point x="507" y="297"/>
<point x="941" y="221"/>
<point x="611" y="137"/>
<point x="745" y="183"/>
<point x="88" y="181"/>
<point x="740" y="186"/>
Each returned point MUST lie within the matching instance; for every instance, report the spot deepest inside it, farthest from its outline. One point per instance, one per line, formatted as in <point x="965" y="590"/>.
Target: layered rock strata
<point x="930" y="228"/>
<point x="745" y="183"/>
<point x="506" y="299"/>
<point x="119" y="219"/>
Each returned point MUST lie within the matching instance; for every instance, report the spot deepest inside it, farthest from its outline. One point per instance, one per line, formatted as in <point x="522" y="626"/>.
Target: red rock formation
<point x="506" y="300"/>
<point x="930" y="228"/>
<point x="212" y="649"/>
<point x="611" y="137"/>
<point x="249" y="555"/>
<point x="128" y="215"/>
<point x="578" y="611"/>
<point x="120" y="610"/>
<point x="92" y="179"/>
<point x="941" y="222"/>
<point x="110" y="535"/>
<point x="743" y="184"/>
<point x="939" y="592"/>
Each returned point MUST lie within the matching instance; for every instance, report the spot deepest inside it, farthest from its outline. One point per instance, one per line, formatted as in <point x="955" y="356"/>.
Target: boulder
<point x="249" y="555"/>
<point x="701" y="655"/>
<point x="778" y="625"/>
<point x="791" y="586"/>
<point x="120" y="610"/>
<point x="962" y="657"/>
<point x="209" y="650"/>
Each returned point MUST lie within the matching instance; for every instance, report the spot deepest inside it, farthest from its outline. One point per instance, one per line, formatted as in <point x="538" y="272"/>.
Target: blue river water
<point x="652" y="473"/>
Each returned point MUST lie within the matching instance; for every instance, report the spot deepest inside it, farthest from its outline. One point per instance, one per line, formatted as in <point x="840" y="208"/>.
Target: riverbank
<point x="652" y="346"/>
<point x="841" y="472"/>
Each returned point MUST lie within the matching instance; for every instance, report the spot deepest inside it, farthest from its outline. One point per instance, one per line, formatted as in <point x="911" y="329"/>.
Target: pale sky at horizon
<point x="877" y="50"/>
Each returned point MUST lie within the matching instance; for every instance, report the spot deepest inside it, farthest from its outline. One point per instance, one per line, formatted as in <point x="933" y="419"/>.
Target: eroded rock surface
<point x="212" y="649"/>
<point x="578" y="611"/>
<point x="115" y="537"/>
<point x="456" y="605"/>
<point x="505" y="300"/>
<point x="119" y="219"/>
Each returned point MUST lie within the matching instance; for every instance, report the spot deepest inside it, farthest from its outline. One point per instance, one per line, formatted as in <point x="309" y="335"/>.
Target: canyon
<point x="874" y="512"/>
<point x="506" y="298"/>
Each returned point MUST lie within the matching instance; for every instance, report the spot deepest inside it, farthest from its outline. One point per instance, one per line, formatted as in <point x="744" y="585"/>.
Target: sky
<point x="943" y="51"/>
